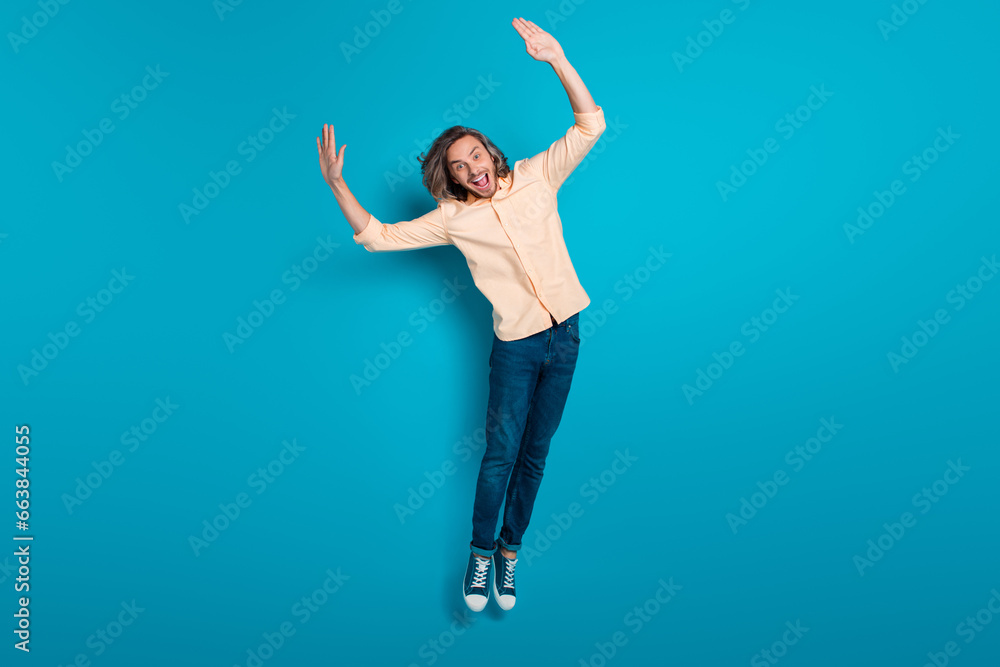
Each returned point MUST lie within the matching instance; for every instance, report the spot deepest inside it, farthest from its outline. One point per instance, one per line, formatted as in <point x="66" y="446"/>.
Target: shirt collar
<point x="503" y="184"/>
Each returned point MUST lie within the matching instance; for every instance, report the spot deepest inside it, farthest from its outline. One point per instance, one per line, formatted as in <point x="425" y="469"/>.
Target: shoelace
<point x="479" y="576"/>
<point x="508" y="572"/>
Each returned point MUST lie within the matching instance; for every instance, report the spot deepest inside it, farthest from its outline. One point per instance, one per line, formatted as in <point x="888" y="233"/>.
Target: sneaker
<point x="476" y="586"/>
<point x="503" y="580"/>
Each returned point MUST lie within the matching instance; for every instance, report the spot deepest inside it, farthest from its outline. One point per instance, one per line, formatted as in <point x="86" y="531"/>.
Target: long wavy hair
<point x="434" y="163"/>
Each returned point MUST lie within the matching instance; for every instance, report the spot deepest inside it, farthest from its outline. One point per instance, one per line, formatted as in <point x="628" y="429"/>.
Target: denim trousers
<point x="529" y="382"/>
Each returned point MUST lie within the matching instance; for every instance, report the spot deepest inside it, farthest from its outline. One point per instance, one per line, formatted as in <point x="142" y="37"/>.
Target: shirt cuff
<point x="368" y="234"/>
<point x="589" y="115"/>
<point x="591" y="123"/>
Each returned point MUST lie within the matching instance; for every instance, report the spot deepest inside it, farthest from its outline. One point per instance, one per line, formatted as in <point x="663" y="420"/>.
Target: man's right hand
<point x="330" y="163"/>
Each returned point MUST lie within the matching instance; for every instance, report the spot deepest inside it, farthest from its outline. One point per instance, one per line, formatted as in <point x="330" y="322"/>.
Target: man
<point x="506" y="224"/>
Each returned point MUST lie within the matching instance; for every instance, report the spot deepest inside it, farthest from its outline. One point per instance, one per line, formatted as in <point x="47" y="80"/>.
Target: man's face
<point x="472" y="167"/>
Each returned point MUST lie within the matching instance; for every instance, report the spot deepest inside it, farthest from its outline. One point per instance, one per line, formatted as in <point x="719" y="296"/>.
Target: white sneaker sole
<point x="470" y="599"/>
<point x="496" y="594"/>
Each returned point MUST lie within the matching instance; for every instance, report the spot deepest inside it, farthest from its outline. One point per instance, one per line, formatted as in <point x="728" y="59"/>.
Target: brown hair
<point x="434" y="163"/>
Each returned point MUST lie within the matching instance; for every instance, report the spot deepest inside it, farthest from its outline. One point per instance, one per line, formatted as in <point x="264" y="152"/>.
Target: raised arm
<point x="543" y="47"/>
<point x="423" y="232"/>
<point x="332" y="166"/>
<point x="557" y="162"/>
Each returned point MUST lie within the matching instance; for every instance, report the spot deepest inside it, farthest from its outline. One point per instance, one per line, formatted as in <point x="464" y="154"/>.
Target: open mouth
<point x="483" y="182"/>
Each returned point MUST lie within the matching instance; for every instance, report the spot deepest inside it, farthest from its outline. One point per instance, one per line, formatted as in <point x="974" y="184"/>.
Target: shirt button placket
<point x="515" y="243"/>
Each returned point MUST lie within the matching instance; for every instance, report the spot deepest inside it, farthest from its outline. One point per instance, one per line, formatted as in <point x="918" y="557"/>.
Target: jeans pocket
<point x="573" y="328"/>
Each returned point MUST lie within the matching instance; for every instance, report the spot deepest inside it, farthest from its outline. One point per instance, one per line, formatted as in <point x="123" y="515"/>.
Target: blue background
<point x="675" y="130"/>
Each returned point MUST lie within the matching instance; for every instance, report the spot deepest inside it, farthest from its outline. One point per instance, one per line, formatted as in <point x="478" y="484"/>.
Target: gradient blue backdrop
<point x="676" y="128"/>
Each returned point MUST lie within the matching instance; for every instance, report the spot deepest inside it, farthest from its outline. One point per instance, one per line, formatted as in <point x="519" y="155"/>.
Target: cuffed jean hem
<point x="482" y="552"/>
<point x="508" y="547"/>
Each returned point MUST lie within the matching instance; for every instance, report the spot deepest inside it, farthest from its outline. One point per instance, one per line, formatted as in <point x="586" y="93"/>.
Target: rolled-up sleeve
<point x="423" y="232"/>
<point x="556" y="163"/>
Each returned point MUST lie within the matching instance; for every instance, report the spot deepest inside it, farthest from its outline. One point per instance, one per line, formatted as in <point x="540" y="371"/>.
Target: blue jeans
<point x="529" y="382"/>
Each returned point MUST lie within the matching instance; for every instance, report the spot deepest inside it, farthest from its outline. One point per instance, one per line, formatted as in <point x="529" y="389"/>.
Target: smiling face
<point x="470" y="165"/>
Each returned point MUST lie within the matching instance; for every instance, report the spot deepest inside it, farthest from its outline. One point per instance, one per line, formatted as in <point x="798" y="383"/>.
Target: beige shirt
<point x="513" y="241"/>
